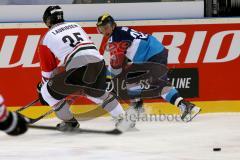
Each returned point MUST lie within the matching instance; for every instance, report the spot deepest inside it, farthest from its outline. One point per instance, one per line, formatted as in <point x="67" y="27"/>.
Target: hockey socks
<point x="172" y="96"/>
<point x="3" y="110"/>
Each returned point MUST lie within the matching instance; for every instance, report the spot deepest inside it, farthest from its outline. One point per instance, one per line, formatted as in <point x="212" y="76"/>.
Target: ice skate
<point x="69" y="125"/>
<point x="188" y="111"/>
<point x="127" y="121"/>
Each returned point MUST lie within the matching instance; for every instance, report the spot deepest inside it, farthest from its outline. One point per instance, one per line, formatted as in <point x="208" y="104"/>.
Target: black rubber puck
<point x="216" y="149"/>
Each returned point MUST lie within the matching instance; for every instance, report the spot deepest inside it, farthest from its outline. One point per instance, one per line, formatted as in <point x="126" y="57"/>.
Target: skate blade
<point x="194" y="112"/>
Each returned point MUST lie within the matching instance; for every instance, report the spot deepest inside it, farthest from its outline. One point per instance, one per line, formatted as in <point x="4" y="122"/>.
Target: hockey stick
<point x="31" y="120"/>
<point x="29" y="105"/>
<point x="79" y="130"/>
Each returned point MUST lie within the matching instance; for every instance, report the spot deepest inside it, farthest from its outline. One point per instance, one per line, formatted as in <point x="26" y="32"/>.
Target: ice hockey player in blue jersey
<point x="10" y="122"/>
<point x="126" y="44"/>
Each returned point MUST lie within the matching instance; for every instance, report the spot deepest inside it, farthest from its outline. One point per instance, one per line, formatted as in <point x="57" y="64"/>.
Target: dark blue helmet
<point x="105" y="19"/>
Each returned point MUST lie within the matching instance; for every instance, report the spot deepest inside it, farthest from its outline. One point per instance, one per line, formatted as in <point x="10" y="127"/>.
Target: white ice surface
<point x="154" y="141"/>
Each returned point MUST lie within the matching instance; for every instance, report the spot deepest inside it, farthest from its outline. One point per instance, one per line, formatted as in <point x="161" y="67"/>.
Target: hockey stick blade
<point x="79" y="130"/>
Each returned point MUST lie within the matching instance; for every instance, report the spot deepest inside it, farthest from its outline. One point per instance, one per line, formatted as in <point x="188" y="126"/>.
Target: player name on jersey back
<point x="59" y="30"/>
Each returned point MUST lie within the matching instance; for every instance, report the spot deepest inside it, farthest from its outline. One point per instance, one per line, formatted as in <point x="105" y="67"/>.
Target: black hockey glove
<point x="14" y="125"/>
<point x="42" y="101"/>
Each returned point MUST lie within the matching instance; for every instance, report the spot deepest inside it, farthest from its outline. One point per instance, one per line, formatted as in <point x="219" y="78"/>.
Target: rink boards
<point x="203" y="51"/>
<point x="153" y="108"/>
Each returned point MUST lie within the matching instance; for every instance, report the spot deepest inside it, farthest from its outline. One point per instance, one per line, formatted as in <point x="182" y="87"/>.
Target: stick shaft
<point x="25" y="107"/>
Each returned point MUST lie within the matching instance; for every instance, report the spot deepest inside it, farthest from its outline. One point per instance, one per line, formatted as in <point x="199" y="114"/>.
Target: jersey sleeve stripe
<point x="3" y="112"/>
<point x="49" y="74"/>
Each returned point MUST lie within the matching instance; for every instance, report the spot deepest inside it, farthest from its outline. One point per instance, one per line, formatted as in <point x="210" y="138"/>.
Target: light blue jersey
<point x="137" y="46"/>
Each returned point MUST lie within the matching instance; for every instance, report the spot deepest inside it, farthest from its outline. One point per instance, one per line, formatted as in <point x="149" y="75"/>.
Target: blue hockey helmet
<point x="105" y="19"/>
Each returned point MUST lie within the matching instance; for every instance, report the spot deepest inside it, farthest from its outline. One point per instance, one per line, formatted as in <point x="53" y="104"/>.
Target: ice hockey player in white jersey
<point x="10" y="122"/>
<point x="69" y="45"/>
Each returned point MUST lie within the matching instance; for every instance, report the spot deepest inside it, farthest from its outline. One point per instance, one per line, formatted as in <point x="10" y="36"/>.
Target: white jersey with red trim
<point x="3" y="110"/>
<point x="58" y="43"/>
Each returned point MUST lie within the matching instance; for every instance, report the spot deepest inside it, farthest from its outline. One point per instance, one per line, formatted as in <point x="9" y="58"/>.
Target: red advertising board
<point x="212" y="48"/>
